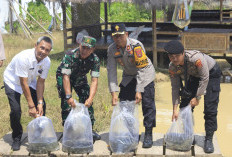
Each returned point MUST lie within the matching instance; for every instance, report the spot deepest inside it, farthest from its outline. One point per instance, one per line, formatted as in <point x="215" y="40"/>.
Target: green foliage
<point x="126" y="12"/>
<point x="40" y="13"/>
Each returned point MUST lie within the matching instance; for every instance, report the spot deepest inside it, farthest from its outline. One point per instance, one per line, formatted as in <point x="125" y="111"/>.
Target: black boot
<point x="16" y="144"/>
<point x="96" y="136"/>
<point x="147" y="142"/>
<point x="208" y="146"/>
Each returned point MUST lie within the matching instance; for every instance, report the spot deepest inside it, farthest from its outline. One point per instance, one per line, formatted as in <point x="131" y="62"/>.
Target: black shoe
<point x="148" y="142"/>
<point x="16" y="144"/>
<point x="208" y="145"/>
<point x="96" y="136"/>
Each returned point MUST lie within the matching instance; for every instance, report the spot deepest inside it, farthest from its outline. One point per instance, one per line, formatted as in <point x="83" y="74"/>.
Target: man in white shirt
<point x="20" y="77"/>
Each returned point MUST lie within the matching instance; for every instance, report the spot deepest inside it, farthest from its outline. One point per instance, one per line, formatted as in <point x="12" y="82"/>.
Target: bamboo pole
<point x="221" y="12"/>
<point x="11" y="18"/>
<point x="64" y="25"/>
<point x="26" y="32"/>
<point x="24" y="24"/>
<point x="34" y="19"/>
<point x="154" y="38"/>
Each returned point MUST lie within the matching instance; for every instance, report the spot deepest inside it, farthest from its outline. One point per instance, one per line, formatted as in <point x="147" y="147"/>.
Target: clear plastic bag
<point x="41" y="136"/>
<point x="181" y="134"/>
<point x="124" y="127"/>
<point x="77" y="135"/>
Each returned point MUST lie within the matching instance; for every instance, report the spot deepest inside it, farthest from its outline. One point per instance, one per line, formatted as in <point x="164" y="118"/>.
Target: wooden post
<point x="54" y="18"/>
<point x="154" y="38"/>
<point x="106" y="20"/>
<point x="221" y="12"/>
<point x="106" y="15"/>
<point x="64" y="24"/>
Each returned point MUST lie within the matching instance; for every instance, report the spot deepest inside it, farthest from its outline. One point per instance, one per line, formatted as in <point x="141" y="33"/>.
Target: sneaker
<point x="16" y="144"/>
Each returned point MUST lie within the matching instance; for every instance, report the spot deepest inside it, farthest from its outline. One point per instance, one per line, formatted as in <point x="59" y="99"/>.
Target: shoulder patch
<point x="198" y="63"/>
<point x="140" y="57"/>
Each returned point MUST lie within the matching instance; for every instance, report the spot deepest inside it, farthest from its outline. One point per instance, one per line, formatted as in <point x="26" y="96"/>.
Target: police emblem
<point x="198" y="63"/>
<point x="138" y="51"/>
<point x="117" y="27"/>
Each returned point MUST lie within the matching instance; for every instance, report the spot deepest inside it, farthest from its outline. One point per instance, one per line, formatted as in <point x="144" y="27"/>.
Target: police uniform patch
<point x="138" y="51"/>
<point x="128" y="47"/>
<point x="171" y="73"/>
<point x="140" y="57"/>
<point x="198" y="63"/>
<point x="117" y="53"/>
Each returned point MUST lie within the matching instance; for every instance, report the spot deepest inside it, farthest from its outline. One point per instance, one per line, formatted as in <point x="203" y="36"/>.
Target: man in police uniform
<point x="72" y="74"/>
<point x="26" y="74"/>
<point x="138" y="76"/>
<point x="202" y="76"/>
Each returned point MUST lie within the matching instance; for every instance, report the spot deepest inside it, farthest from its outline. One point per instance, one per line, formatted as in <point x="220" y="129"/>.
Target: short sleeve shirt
<point x="73" y="65"/>
<point x="24" y="64"/>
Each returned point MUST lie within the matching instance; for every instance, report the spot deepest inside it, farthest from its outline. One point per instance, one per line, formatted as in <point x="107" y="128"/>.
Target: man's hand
<point x="138" y="97"/>
<point x="88" y="102"/>
<point x="71" y="102"/>
<point x="1" y="63"/>
<point x="194" y="102"/>
<point x="32" y="112"/>
<point x="114" y="98"/>
<point x="40" y="109"/>
<point x="175" y="115"/>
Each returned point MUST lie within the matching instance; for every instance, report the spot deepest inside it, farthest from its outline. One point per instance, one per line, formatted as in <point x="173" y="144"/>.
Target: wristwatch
<point x="68" y="96"/>
<point x="198" y="97"/>
<point x="40" y="102"/>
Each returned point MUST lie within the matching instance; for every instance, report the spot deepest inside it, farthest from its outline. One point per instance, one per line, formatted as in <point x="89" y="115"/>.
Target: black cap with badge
<point x="118" y="28"/>
<point x="174" y="47"/>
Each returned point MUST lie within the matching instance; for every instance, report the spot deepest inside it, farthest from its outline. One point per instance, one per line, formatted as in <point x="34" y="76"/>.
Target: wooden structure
<point x="101" y="148"/>
<point x="210" y="31"/>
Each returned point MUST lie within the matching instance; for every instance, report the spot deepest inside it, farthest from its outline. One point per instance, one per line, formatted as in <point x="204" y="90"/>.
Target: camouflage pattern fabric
<point x="77" y="68"/>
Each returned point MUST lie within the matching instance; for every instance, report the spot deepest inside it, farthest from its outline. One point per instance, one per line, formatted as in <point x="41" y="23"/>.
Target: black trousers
<point x="148" y="101"/>
<point x="211" y="98"/>
<point x="15" y="114"/>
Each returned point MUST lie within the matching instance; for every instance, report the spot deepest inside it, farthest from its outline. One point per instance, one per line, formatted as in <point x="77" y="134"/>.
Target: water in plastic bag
<point x="181" y="134"/>
<point x="77" y="136"/>
<point x="41" y="136"/>
<point x="124" y="127"/>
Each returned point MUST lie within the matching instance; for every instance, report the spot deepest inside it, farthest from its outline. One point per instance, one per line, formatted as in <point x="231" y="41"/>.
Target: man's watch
<point x="198" y="97"/>
<point x="68" y="96"/>
<point x="40" y="102"/>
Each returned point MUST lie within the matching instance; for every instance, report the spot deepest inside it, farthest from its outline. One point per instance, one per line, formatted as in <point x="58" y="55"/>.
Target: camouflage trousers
<point x="81" y="88"/>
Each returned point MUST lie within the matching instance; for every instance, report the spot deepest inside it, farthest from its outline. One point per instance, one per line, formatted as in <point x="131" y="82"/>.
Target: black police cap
<point x="118" y="28"/>
<point x="174" y="47"/>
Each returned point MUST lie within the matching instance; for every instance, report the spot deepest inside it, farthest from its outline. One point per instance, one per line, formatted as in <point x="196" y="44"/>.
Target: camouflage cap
<point x="88" y="41"/>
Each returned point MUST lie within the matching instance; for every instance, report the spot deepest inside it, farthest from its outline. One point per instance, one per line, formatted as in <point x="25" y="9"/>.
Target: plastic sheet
<point x="180" y="135"/>
<point x="77" y="136"/>
<point x="124" y="128"/>
<point x="41" y="136"/>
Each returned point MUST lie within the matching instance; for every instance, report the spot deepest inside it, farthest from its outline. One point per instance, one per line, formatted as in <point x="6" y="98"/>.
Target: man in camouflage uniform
<point x="138" y="76"/>
<point x="202" y="76"/>
<point x="72" y="74"/>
